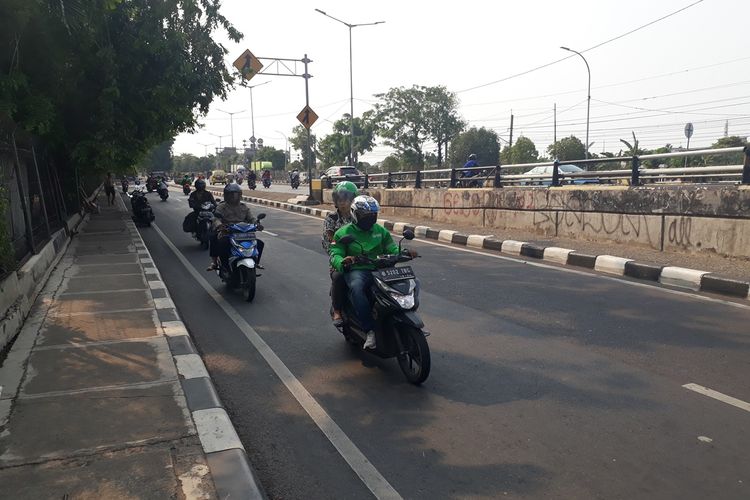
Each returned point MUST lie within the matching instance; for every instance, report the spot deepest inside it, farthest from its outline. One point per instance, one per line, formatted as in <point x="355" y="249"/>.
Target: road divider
<point x="691" y="279"/>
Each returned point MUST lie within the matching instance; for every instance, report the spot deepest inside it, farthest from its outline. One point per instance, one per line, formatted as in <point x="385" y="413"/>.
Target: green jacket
<point x="376" y="241"/>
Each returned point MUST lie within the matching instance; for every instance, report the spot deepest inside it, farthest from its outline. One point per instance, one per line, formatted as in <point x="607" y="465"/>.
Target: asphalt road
<point x="546" y="383"/>
<point x="275" y="188"/>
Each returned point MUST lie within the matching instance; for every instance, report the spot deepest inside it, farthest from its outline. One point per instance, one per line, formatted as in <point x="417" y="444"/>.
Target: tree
<point x="390" y="164"/>
<point x="568" y="148"/>
<point x="101" y="83"/>
<point x="298" y="140"/>
<point x="523" y="151"/>
<point x="159" y="158"/>
<point x="276" y="156"/>
<point x="731" y="141"/>
<point x="479" y="141"/>
<point x="409" y="117"/>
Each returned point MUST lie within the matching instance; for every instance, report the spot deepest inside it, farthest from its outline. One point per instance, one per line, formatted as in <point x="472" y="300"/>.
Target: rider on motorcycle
<point x="251" y="177"/>
<point x="370" y="239"/>
<point x="294" y="174"/>
<point x="198" y="198"/>
<point x="470" y="164"/>
<point x="343" y="195"/>
<point x="230" y="211"/>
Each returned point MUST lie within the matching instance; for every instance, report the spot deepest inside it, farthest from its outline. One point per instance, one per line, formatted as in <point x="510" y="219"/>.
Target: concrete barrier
<point x="682" y="277"/>
<point x="611" y="265"/>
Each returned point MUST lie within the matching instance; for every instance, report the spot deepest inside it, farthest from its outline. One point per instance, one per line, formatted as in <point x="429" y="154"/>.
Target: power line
<point x="586" y="50"/>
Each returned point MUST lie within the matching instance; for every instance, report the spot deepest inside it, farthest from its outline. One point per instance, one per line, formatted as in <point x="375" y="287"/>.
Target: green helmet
<point x="345" y="191"/>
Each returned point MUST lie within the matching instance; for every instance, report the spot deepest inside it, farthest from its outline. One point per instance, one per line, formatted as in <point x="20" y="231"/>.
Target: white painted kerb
<point x="557" y="255"/>
<point x="475" y="240"/>
<point x="611" y="265"/>
<point x="512" y="246"/>
<point x="682" y="277"/>
<point x="215" y="430"/>
<point x="446" y="235"/>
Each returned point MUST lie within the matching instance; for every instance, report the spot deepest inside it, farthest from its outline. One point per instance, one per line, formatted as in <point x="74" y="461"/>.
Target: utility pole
<point x="588" y="98"/>
<point x="231" y="122"/>
<point x="510" y="142"/>
<point x="554" y="132"/>
<point x="726" y="128"/>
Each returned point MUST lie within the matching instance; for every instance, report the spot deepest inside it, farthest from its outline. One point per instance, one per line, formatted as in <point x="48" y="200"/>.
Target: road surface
<point x="546" y="382"/>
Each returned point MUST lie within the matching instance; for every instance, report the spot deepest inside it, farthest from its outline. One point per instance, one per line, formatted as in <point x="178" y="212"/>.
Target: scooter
<point x="240" y="269"/>
<point x="399" y="330"/>
<point x="186" y="188"/>
<point x="266" y="183"/>
<point x="163" y="191"/>
<point x="142" y="213"/>
<point x="203" y="223"/>
<point x="294" y="182"/>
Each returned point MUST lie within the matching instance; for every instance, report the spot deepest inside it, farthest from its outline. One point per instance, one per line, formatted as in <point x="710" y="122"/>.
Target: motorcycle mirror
<point x="261" y="216"/>
<point x="408" y="234"/>
<point x="347" y="240"/>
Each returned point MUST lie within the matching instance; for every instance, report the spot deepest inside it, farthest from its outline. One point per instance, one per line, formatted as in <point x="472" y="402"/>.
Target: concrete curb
<point x="227" y="459"/>
<point x="692" y="279"/>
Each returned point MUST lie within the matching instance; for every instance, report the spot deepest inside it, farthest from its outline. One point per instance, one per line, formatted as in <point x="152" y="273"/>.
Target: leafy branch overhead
<point x="103" y="82"/>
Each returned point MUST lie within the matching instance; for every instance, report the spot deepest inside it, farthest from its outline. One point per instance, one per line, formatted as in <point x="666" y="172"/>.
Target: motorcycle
<point x="203" y="223"/>
<point x="186" y="188"/>
<point x="266" y="183"/>
<point x="142" y="213"/>
<point x="251" y="183"/>
<point x="124" y="187"/>
<point x="294" y="182"/>
<point x="240" y="269"/>
<point x="151" y="184"/>
<point x="163" y="191"/>
<point x="399" y="330"/>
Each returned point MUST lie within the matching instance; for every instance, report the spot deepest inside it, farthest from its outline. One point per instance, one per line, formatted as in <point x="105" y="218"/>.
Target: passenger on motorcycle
<point x="198" y="198"/>
<point x="230" y="211"/>
<point x="370" y="239"/>
<point x="343" y="195"/>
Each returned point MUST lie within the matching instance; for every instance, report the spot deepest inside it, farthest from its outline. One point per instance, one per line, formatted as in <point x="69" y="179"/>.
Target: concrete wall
<point x="691" y="218"/>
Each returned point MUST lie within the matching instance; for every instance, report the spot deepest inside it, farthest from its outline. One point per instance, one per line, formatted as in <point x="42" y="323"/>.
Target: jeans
<point x="359" y="283"/>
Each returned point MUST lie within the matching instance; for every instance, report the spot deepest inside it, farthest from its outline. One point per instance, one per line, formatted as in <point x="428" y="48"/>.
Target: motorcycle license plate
<point x="244" y="236"/>
<point x="396" y="273"/>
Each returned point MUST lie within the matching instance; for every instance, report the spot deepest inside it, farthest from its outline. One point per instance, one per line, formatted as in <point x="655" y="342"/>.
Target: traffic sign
<point x="248" y="65"/>
<point x="307" y="117"/>
<point x="689" y="130"/>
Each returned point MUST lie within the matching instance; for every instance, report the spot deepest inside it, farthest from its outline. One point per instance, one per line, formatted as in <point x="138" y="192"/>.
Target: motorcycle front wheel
<point x="247" y="282"/>
<point x="415" y="363"/>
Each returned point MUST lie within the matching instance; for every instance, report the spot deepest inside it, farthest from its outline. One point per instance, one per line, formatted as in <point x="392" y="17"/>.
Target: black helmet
<point x="472" y="156"/>
<point x="200" y="184"/>
<point x="365" y="212"/>
<point x="232" y="193"/>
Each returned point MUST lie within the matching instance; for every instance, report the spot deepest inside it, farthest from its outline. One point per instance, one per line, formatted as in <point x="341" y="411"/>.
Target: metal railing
<point x="635" y="174"/>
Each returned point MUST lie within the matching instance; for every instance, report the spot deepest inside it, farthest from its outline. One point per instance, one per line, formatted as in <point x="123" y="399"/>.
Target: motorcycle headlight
<point x="405" y="301"/>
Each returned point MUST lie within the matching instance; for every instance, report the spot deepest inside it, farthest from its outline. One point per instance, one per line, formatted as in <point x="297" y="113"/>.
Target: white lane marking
<point x="215" y="430"/>
<point x="563" y="269"/>
<point x="718" y="396"/>
<point x="359" y="463"/>
<point x="705" y="439"/>
<point x="269" y="232"/>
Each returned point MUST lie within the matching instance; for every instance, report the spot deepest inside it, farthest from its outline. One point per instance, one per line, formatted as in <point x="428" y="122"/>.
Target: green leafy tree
<point x="298" y="140"/>
<point x="482" y="142"/>
<point x="102" y="83"/>
<point x="276" y="156"/>
<point x="390" y="163"/>
<point x="731" y="141"/>
<point x="568" y="148"/>
<point x="159" y="158"/>
<point x="523" y="151"/>
<point x="408" y="117"/>
<point x="364" y="136"/>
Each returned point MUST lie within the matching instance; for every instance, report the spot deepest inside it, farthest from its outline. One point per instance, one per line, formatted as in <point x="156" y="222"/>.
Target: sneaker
<point x="212" y="267"/>
<point x="370" y="342"/>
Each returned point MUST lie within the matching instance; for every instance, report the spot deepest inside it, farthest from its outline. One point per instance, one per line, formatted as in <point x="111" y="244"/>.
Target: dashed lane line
<point x="360" y="464"/>
<point x="718" y="396"/>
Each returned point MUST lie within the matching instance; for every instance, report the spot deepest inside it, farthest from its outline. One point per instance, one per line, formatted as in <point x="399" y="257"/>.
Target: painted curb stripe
<point x="642" y="271"/>
<point x="582" y="260"/>
<point x="492" y="244"/>
<point x="725" y="286"/>
<point x="531" y="250"/>
<point x="512" y="247"/>
<point x="216" y="431"/>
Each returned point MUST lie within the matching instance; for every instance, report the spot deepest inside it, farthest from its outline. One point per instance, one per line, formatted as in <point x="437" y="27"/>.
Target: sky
<point x="693" y="66"/>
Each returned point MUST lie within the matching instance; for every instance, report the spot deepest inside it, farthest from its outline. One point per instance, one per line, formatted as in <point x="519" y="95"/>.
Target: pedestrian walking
<point x="109" y="189"/>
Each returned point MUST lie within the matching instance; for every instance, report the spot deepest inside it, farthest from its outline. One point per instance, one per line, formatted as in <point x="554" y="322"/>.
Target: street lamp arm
<point x="334" y="18"/>
<point x="366" y="24"/>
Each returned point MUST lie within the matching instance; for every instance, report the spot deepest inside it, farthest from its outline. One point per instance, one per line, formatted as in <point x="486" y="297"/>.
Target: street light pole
<point x="351" y="80"/>
<point x="231" y="122"/>
<point x="252" y="112"/>
<point x="219" y="136"/>
<point x="588" y="101"/>
<point x="205" y="147"/>
<point x="286" y="148"/>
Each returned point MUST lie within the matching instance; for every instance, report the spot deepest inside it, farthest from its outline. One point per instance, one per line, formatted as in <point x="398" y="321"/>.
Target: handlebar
<point x="381" y="261"/>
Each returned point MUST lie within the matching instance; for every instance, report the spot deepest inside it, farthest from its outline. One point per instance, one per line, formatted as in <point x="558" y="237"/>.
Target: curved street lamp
<point x="588" y="101"/>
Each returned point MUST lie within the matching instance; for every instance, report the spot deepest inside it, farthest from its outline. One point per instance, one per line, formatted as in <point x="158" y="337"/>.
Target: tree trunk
<point x="440" y="154"/>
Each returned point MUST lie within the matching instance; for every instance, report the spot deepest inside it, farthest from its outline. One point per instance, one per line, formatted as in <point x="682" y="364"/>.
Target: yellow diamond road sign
<point x="307" y="117"/>
<point x="248" y="65"/>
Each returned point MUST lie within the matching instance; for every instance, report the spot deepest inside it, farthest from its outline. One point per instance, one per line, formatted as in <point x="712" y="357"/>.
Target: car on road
<point x="563" y="169"/>
<point x="338" y="174"/>
<point x="218" y="177"/>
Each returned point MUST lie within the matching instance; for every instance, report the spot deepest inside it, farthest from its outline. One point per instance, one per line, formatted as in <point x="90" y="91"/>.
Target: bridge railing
<point x="631" y="171"/>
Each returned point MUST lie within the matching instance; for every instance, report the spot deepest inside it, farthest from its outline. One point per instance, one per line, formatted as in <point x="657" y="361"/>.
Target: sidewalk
<point x="92" y="402"/>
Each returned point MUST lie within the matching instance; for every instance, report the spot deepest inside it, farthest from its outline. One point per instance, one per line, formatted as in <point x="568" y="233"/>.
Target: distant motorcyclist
<point x="370" y="239"/>
<point x="252" y="176"/>
<point x="230" y="211"/>
<point x="294" y="174"/>
<point x="343" y="195"/>
<point x="196" y="199"/>
<point x="472" y="163"/>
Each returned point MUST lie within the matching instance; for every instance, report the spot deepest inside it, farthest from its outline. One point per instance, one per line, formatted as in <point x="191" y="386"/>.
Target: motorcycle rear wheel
<point x="247" y="282"/>
<point x="415" y="364"/>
